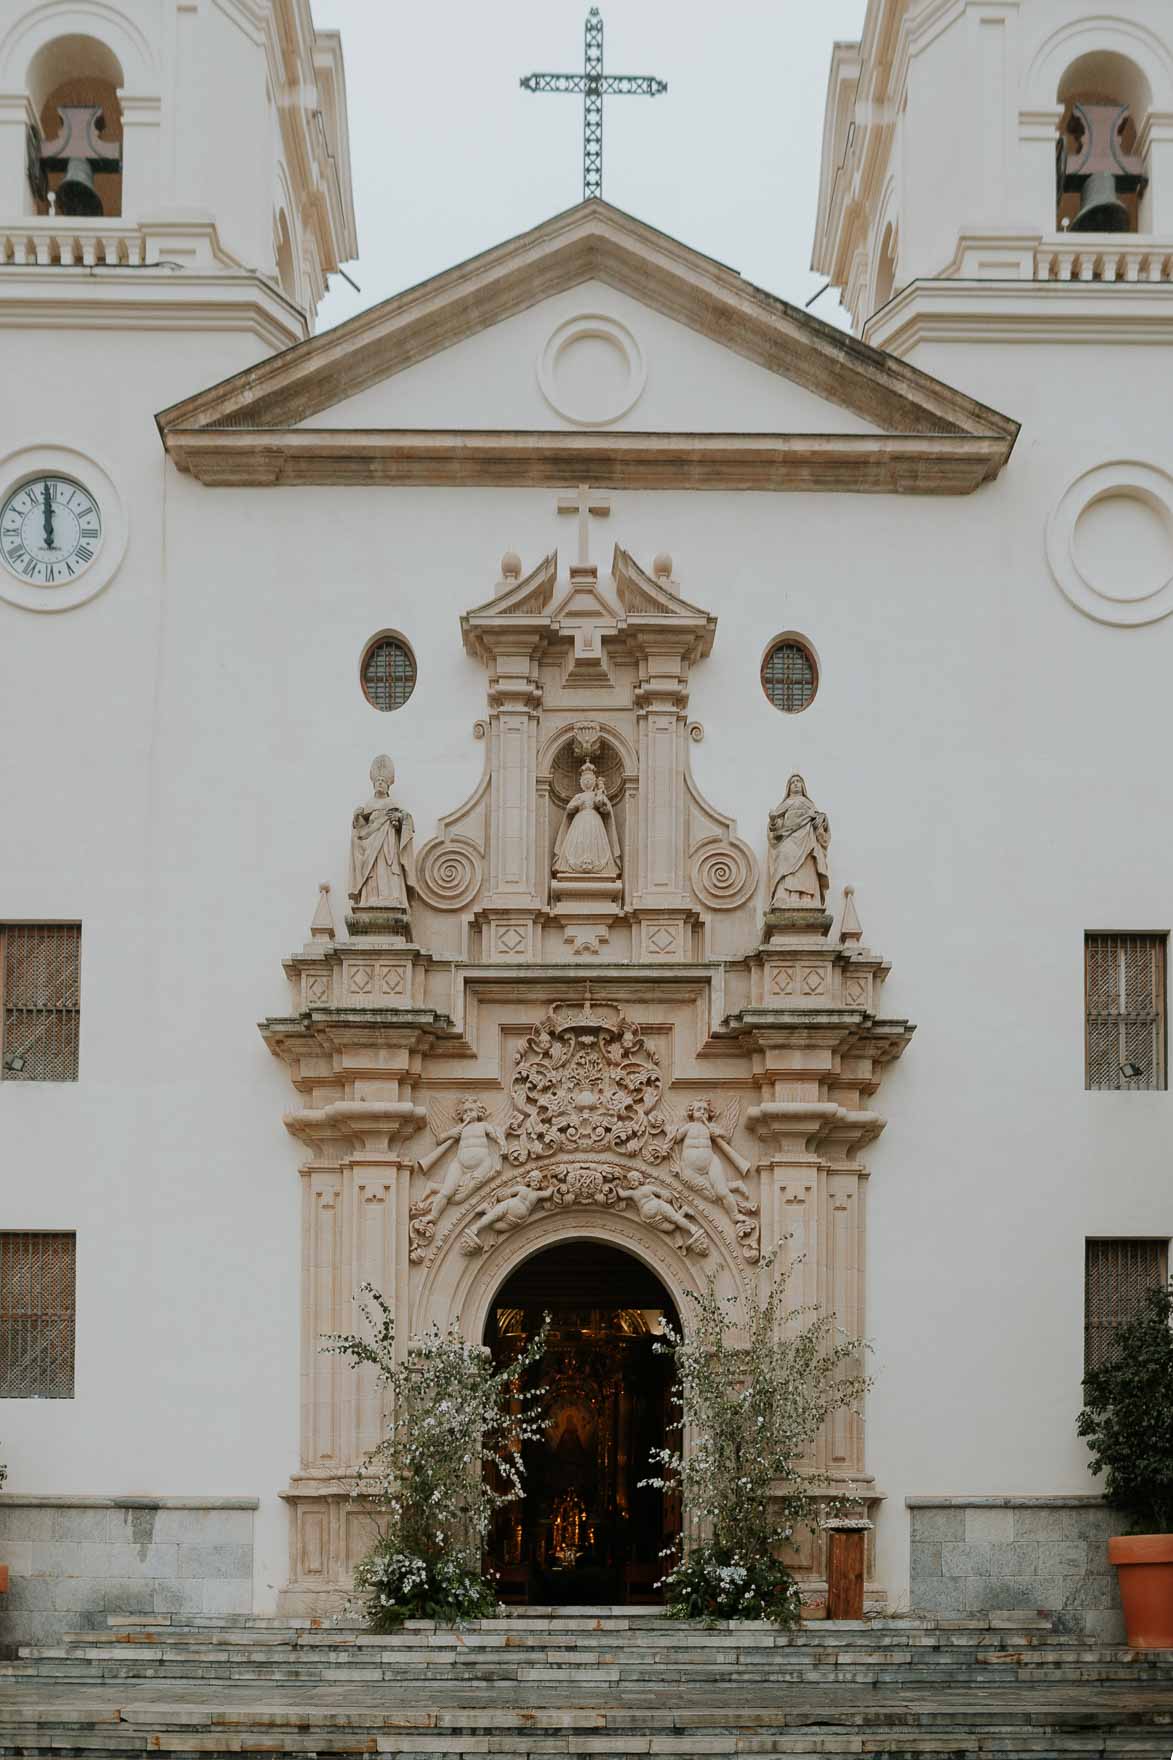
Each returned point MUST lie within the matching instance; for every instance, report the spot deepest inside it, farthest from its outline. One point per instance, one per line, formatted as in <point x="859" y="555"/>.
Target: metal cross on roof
<point x="595" y="85"/>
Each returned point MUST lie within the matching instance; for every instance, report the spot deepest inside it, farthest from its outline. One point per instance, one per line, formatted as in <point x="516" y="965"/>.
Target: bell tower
<point x="173" y="162"/>
<point x="995" y="143"/>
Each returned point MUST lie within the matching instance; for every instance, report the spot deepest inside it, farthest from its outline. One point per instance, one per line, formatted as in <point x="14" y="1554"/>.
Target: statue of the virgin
<point x="588" y="842"/>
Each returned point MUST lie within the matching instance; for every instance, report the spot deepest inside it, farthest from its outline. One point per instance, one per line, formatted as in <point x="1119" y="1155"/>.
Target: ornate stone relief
<point x="584" y="1080"/>
<point x="610" y="1031"/>
<point x="587" y="838"/>
<point x="587" y="1182"/>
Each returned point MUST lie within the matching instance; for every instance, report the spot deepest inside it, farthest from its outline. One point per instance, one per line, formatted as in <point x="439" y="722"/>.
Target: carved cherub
<point x="658" y="1209"/>
<point x="480" y="1145"/>
<point x="515" y="1206"/>
<point x="704" y="1138"/>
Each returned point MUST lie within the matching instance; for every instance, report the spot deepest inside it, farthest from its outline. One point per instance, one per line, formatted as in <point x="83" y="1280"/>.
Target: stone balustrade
<point x="1091" y="256"/>
<point x="70" y="243"/>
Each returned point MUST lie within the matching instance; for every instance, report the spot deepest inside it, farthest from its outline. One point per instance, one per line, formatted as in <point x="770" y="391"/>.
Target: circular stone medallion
<point x="591" y="371"/>
<point x="1110" y="543"/>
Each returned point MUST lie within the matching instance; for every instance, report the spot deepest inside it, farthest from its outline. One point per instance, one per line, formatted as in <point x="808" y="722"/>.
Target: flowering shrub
<point x="450" y="1457"/>
<point x="752" y="1399"/>
<point x="395" y="1586"/>
<point x="705" y="1587"/>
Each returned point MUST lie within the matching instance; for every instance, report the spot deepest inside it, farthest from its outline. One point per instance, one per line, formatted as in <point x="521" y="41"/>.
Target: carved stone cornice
<point x="909" y="464"/>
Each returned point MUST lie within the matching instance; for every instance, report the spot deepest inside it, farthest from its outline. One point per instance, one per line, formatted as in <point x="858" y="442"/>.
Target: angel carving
<point x="479" y="1143"/>
<point x="659" y="1209"/>
<point x="514" y="1206"/>
<point x="705" y="1147"/>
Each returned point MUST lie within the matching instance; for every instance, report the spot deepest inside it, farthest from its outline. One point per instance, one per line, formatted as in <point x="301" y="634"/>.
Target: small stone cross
<point x="584" y="502"/>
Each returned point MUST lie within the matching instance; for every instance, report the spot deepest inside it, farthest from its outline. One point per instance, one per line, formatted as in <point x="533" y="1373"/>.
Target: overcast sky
<point x="449" y="156"/>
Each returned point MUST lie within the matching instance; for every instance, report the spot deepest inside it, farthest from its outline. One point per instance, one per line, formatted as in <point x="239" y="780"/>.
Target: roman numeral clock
<point x="63" y="528"/>
<point x="50" y="530"/>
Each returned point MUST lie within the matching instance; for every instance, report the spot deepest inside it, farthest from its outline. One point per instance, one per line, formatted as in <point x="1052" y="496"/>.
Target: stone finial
<point x="322" y="924"/>
<point x="850" y="928"/>
<point x="662" y="567"/>
<point x="510" y="573"/>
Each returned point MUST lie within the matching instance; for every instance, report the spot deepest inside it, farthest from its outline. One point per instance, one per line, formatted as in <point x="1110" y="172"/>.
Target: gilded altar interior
<point x="586" y="1015"/>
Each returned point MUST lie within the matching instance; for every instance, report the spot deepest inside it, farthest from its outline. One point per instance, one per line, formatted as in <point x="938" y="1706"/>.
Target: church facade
<point x="573" y="784"/>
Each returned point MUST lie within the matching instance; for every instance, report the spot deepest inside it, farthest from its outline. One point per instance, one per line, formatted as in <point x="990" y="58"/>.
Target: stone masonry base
<point x="981" y="1554"/>
<point x="73" y="1560"/>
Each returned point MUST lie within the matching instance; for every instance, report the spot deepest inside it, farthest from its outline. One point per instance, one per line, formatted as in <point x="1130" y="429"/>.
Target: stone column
<point x="354" y="1059"/>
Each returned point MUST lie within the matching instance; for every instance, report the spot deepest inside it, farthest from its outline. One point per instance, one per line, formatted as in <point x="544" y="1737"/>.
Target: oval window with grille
<point x="790" y="675"/>
<point x="387" y="672"/>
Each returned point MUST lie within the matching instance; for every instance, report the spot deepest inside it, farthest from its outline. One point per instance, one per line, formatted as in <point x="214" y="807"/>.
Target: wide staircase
<point x="588" y="1681"/>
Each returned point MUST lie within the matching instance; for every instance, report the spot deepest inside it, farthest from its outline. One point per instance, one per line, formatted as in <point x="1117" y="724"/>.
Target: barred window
<point x="790" y="676"/>
<point x="1124" y="995"/>
<point x="39" y="1001"/>
<point x="1117" y="1276"/>
<point x="387" y="672"/>
<point x="37" y="1315"/>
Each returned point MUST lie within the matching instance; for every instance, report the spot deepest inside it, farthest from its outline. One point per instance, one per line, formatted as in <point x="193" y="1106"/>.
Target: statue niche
<point x="588" y="842"/>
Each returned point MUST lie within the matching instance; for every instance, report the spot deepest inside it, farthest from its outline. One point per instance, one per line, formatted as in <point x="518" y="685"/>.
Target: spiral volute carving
<point x="724" y="872"/>
<point x="449" y="872"/>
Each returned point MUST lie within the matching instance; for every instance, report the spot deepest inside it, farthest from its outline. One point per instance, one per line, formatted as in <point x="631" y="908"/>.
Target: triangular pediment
<point x="856" y="419"/>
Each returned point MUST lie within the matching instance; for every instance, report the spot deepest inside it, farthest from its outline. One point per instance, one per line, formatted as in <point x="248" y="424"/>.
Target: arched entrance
<point x="587" y="1532"/>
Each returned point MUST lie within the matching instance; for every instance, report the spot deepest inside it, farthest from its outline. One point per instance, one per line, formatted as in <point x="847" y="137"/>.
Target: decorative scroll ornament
<point x="566" y="1184"/>
<point x="449" y="872"/>
<point x="724" y="872"/>
<point x="585" y="1081"/>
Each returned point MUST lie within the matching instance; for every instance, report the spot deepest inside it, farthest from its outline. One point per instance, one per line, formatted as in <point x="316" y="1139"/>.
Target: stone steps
<point x="588" y="1681"/>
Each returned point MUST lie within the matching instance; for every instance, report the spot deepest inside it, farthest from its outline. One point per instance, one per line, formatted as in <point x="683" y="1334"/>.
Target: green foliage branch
<point x="751" y="1395"/>
<point x="1127" y="1417"/>
<point x="451" y="1456"/>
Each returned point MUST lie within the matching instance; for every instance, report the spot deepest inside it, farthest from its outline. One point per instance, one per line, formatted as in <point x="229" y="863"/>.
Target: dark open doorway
<point x="587" y="1532"/>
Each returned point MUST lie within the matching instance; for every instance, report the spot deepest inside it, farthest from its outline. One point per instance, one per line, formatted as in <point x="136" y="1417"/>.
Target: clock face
<point x="50" y="530"/>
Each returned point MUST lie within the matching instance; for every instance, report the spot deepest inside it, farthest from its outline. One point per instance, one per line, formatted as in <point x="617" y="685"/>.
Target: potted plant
<point x="1127" y="1420"/>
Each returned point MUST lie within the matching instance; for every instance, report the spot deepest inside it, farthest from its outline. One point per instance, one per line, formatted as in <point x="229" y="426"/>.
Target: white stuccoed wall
<point x="990" y="760"/>
<point x="188" y="748"/>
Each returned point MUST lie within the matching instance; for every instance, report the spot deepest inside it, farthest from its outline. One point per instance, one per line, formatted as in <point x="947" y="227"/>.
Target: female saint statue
<point x="382" y="863"/>
<point x="799" y="835"/>
<point x="588" y="842"/>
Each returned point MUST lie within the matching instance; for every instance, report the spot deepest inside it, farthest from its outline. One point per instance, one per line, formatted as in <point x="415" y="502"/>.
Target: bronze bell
<point x="76" y="193"/>
<point x="1099" y="168"/>
<point x="1102" y="209"/>
<point x="76" y="151"/>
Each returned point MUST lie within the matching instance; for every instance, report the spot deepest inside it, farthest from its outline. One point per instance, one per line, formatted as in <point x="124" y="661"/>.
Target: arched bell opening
<point x="75" y="154"/>
<point x="587" y="1532"/>
<point x="1101" y="173"/>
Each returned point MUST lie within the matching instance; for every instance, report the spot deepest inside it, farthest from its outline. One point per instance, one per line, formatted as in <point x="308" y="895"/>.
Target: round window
<point x="790" y="675"/>
<point x="387" y="672"/>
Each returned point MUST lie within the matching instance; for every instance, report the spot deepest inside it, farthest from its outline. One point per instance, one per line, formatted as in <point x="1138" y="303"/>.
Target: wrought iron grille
<point x="41" y="1012"/>
<point x="1116" y="1276"/>
<point x="789" y="678"/>
<point x="37" y="1315"/>
<point x="1124" y="990"/>
<point x="388" y="673"/>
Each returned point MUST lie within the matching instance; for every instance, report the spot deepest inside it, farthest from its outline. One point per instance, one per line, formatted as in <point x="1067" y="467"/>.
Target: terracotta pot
<point x="1144" y="1570"/>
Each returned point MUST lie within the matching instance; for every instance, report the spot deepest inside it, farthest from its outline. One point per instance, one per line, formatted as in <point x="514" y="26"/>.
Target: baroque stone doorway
<point x="587" y="1532"/>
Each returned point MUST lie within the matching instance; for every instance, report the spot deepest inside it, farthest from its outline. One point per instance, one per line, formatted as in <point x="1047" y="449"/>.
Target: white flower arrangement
<point x="450" y="1457"/>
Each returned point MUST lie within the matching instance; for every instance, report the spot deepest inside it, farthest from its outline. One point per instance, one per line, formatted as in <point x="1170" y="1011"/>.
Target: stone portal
<point x="587" y="1532"/>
